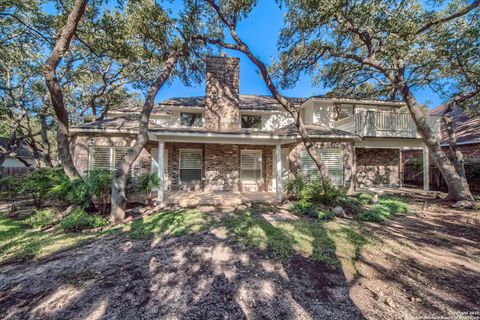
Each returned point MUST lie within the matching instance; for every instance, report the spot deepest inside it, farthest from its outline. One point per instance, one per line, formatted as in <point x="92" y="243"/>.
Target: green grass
<point x="328" y="242"/>
<point x="385" y="209"/>
<point x="172" y="223"/>
<point x="78" y="220"/>
<point x="18" y="241"/>
<point x="41" y="218"/>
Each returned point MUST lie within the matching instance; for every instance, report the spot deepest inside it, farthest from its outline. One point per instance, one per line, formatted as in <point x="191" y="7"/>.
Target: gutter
<point x="230" y="135"/>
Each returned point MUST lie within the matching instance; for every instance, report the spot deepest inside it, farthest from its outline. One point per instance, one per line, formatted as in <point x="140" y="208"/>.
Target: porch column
<point x="426" y="169"/>
<point x="160" y="171"/>
<point x="278" y="172"/>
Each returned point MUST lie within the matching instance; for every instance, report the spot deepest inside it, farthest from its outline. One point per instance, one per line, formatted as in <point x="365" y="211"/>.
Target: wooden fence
<point x="413" y="175"/>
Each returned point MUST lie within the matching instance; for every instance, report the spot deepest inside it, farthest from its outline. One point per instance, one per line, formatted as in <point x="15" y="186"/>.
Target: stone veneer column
<point x="222" y="96"/>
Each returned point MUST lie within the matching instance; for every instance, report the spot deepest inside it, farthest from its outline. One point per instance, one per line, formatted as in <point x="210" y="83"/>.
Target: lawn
<point x="23" y="239"/>
<point x="255" y="261"/>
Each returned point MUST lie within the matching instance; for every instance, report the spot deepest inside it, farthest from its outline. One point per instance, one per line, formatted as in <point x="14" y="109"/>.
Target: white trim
<point x="155" y="135"/>
<point x="161" y="171"/>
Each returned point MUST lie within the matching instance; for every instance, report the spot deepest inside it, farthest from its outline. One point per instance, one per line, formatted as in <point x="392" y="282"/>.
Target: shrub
<point x="326" y="215"/>
<point x="383" y="210"/>
<point x="305" y="208"/>
<point x="365" y="198"/>
<point x="315" y="191"/>
<point x="394" y="205"/>
<point x="145" y="183"/>
<point x="41" y="219"/>
<point x="75" y="192"/>
<point x="350" y="204"/>
<point x="38" y="184"/>
<point x="78" y="220"/>
<point x="376" y="213"/>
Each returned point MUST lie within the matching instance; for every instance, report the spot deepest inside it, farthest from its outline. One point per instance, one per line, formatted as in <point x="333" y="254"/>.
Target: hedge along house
<point x="229" y="142"/>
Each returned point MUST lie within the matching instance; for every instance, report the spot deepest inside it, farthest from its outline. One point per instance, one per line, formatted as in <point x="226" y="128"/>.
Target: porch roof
<point x="286" y="134"/>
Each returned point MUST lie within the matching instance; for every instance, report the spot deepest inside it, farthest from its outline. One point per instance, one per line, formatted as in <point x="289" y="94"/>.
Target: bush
<point x="75" y="192"/>
<point x="351" y="205"/>
<point x="365" y="198"/>
<point x="394" y="205"/>
<point x="144" y="183"/>
<point x="383" y="210"/>
<point x="41" y="219"/>
<point x="315" y="191"/>
<point x="304" y="208"/>
<point x="38" y="184"/>
<point x="376" y="213"/>
<point x="326" y="215"/>
<point x="78" y="220"/>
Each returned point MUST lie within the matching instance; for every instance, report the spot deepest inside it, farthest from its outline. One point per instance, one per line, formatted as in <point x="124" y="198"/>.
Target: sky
<point x="260" y="31"/>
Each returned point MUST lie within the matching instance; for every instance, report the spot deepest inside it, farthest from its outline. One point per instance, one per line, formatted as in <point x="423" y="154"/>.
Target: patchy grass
<point x="18" y="241"/>
<point x="383" y="210"/>
<point x="172" y="223"/>
<point x="331" y="243"/>
<point x="41" y="218"/>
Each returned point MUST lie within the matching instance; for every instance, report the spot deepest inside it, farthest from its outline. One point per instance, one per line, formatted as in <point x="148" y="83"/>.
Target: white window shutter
<point x="333" y="160"/>
<point x="100" y="158"/>
<point x="251" y="165"/>
<point x="190" y="165"/>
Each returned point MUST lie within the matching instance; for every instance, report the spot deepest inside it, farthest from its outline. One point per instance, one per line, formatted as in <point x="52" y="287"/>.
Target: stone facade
<point x="82" y="145"/>
<point x="222" y="96"/>
<point x="348" y="152"/>
<point x="221" y="166"/>
<point x="377" y="167"/>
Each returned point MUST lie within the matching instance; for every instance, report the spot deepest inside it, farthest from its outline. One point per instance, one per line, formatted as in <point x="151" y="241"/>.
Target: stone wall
<point x="348" y="158"/>
<point x="221" y="166"/>
<point x="377" y="167"/>
<point x="82" y="143"/>
<point x="222" y="96"/>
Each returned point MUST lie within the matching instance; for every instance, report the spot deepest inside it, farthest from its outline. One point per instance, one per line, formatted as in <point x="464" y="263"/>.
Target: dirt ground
<point x="423" y="264"/>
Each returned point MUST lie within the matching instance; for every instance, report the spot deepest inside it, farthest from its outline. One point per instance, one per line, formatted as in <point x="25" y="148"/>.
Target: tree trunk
<point x="458" y="159"/>
<point x="119" y="199"/>
<point x="456" y="187"/>
<point x="45" y="142"/>
<point x="56" y="95"/>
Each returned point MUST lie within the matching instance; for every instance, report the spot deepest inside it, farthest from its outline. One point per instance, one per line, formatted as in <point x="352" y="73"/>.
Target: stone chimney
<point x="222" y="95"/>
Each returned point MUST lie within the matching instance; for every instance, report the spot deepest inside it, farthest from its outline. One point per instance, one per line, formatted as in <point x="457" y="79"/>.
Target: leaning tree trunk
<point x="298" y="121"/>
<point x="457" y="190"/>
<point x="458" y="159"/>
<point x="56" y="95"/>
<point x="119" y="199"/>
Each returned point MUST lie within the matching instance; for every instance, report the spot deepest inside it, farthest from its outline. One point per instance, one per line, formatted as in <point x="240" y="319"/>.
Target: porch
<point x="186" y="199"/>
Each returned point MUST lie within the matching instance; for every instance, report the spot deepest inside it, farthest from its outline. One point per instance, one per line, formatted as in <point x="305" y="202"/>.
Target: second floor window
<point x="251" y="122"/>
<point x="190" y="119"/>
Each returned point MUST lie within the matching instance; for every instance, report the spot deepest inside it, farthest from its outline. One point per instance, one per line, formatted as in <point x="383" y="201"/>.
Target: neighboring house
<point x="467" y="131"/>
<point x="226" y="141"/>
<point x="21" y="157"/>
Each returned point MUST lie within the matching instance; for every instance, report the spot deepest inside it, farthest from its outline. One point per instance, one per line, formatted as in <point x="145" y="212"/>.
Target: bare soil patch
<point x="426" y="263"/>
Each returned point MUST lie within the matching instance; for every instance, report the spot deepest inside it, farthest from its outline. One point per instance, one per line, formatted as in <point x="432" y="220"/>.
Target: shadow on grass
<point x="172" y="223"/>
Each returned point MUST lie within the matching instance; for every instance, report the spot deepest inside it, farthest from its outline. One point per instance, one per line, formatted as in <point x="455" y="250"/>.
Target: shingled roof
<point x="467" y="128"/>
<point x="130" y="124"/>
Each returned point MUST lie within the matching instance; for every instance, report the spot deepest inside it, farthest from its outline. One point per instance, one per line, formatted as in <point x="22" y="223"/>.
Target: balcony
<point x="384" y="124"/>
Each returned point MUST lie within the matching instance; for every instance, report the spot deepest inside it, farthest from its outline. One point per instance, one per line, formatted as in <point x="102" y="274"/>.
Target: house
<point x="467" y="133"/>
<point x="21" y="157"/>
<point x="227" y="141"/>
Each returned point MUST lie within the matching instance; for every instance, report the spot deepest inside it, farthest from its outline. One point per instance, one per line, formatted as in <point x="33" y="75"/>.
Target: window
<point x="333" y="159"/>
<point x="188" y="119"/>
<point x="190" y="165"/>
<point x="106" y="157"/>
<point x="251" y="122"/>
<point x="251" y="165"/>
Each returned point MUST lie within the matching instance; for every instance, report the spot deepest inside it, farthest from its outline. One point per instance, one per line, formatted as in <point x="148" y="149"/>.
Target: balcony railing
<point x="384" y="124"/>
